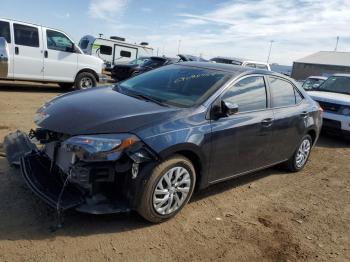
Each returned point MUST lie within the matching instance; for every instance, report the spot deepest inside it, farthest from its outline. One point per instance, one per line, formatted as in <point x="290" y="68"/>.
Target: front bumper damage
<point x="95" y="188"/>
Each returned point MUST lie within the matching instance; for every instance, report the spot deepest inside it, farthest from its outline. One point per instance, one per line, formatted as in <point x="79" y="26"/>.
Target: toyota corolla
<point x="148" y="143"/>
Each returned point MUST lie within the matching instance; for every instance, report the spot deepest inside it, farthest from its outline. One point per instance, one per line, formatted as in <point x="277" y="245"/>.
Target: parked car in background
<point x="114" y="50"/>
<point x="334" y="97"/>
<point x="144" y="64"/>
<point x="241" y="62"/>
<point x="313" y="82"/>
<point x="138" y="66"/>
<point x="152" y="139"/>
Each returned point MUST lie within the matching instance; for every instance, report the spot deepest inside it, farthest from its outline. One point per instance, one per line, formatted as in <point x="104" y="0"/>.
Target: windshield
<point x="177" y="85"/>
<point x="139" y="61"/>
<point x="336" y="84"/>
<point x="311" y="83"/>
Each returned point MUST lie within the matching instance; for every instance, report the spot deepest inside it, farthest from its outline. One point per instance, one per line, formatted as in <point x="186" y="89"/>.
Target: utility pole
<point x="268" y="56"/>
<point x="158" y="51"/>
<point x="336" y="44"/>
<point x="178" y="47"/>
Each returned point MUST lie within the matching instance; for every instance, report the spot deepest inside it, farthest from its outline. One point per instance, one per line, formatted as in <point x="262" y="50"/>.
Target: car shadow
<point x="16" y="86"/>
<point x="27" y="217"/>
<point x="332" y="141"/>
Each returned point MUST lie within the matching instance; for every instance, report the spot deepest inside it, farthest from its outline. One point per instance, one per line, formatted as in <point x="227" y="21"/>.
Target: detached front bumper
<point x="58" y="189"/>
<point x="36" y="173"/>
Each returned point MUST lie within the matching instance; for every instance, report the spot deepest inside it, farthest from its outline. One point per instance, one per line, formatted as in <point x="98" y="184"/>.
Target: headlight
<point x="345" y="110"/>
<point x="99" y="147"/>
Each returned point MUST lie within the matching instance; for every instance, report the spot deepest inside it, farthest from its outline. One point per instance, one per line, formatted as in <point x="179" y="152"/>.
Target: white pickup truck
<point x="334" y="98"/>
<point x="37" y="53"/>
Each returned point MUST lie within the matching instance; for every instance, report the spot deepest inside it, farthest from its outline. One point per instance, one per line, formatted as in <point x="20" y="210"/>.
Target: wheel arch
<point x="197" y="158"/>
<point x="87" y="70"/>
<point x="312" y="132"/>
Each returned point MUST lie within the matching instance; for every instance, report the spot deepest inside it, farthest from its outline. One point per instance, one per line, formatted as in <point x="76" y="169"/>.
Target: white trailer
<point x="114" y="50"/>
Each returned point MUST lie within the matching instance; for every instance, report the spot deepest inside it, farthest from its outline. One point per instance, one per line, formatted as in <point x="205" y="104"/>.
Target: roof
<point x="318" y="77"/>
<point x="327" y="58"/>
<point x="344" y="75"/>
<point x="234" y="69"/>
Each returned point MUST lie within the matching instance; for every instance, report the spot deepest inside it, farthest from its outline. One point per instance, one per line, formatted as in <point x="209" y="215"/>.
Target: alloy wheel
<point x="172" y="190"/>
<point x="303" y="153"/>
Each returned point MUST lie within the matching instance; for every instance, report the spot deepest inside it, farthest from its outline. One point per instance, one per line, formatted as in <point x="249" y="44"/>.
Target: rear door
<point x="60" y="57"/>
<point x="241" y="142"/>
<point x="123" y="54"/>
<point x="27" y="52"/>
<point x="290" y="114"/>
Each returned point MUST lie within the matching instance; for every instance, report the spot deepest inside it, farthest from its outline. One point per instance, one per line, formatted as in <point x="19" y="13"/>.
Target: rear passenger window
<point x="26" y="35"/>
<point x="5" y="31"/>
<point x="105" y="50"/>
<point x="249" y="94"/>
<point x="282" y="92"/>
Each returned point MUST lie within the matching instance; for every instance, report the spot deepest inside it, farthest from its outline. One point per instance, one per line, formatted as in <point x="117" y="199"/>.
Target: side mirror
<point x="223" y="109"/>
<point x="229" y="108"/>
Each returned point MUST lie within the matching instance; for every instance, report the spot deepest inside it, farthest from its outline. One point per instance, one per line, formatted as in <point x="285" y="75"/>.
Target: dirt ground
<point x="268" y="216"/>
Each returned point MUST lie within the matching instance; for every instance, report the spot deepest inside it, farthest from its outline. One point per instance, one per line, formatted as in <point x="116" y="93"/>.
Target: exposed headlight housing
<point x="345" y="110"/>
<point x="99" y="147"/>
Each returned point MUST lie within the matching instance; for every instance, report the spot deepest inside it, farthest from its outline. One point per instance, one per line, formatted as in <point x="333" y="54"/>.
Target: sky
<point x="209" y="28"/>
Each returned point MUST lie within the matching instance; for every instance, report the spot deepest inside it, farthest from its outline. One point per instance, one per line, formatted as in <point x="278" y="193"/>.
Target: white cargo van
<point x="38" y="53"/>
<point x="114" y="50"/>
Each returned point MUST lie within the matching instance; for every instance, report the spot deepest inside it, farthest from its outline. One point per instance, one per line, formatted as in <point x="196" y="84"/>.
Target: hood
<point x="100" y="111"/>
<point x="330" y="97"/>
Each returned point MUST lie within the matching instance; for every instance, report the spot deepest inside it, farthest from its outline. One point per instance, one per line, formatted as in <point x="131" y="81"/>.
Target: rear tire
<point x="168" y="189"/>
<point x="301" y="155"/>
<point x="85" y="80"/>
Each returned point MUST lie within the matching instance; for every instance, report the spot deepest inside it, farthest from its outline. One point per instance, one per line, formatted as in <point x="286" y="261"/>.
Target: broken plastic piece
<point x="17" y="145"/>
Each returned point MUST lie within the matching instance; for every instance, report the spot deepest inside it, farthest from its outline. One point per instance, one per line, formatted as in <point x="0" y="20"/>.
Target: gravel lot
<point x="268" y="216"/>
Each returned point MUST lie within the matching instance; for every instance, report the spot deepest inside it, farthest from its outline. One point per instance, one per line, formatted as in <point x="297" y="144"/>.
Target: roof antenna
<point x="336" y="45"/>
<point x="100" y="35"/>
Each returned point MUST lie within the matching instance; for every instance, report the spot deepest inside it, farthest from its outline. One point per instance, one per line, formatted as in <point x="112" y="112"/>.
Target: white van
<point x="38" y="53"/>
<point x="114" y="50"/>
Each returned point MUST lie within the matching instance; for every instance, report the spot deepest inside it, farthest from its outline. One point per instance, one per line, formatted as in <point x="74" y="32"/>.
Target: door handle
<point x="46" y="54"/>
<point x="267" y="122"/>
<point x="16" y="50"/>
<point x="304" y="114"/>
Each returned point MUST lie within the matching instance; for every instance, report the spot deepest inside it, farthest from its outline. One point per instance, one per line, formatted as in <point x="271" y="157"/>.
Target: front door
<point x="61" y="59"/>
<point x="27" y="52"/>
<point x="240" y="142"/>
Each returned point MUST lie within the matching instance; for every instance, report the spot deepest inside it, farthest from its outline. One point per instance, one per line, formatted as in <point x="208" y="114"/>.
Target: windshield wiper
<point x="146" y="98"/>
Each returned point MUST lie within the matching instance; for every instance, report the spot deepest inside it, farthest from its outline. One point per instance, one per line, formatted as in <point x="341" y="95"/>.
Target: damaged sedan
<point x="147" y="143"/>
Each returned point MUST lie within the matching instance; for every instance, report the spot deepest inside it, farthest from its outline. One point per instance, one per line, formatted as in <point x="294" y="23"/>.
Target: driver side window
<point x="249" y="94"/>
<point x="58" y="41"/>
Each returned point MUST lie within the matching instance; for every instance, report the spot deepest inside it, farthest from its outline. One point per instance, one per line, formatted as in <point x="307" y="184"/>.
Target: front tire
<point x="85" y="80"/>
<point x="168" y="189"/>
<point x="300" y="157"/>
